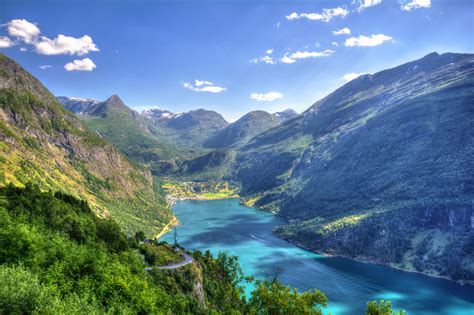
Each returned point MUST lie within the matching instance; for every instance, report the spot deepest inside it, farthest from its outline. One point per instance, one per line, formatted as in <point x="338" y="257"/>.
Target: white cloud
<point x="80" y="65"/>
<point x="29" y="33"/>
<point x="293" y="57"/>
<point x="286" y="59"/>
<point x="199" y="83"/>
<point x="203" y="86"/>
<point x="368" y="3"/>
<point x="265" y="59"/>
<point x="44" y="67"/>
<point x="266" y="97"/>
<point x="66" y="45"/>
<point x="311" y="54"/>
<point x="342" y="31"/>
<point x="23" y="49"/>
<point x="368" y="41"/>
<point x="5" y="42"/>
<point x="351" y="76"/>
<point x="415" y="4"/>
<point x="23" y="30"/>
<point x="326" y="15"/>
<point x="335" y="44"/>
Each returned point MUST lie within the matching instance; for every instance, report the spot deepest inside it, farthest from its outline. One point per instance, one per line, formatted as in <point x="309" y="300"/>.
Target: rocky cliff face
<point x="43" y="143"/>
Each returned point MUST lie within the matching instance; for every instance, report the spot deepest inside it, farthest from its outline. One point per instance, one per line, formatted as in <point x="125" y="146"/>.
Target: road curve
<point x="187" y="259"/>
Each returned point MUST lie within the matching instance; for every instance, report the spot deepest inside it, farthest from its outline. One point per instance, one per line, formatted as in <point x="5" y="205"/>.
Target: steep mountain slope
<point x="243" y="130"/>
<point x="158" y="114"/>
<point x="43" y="143"/>
<point x="191" y="129"/>
<point x="134" y="134"/>
<point x="381" y="169"/>
<point x="285" y="114"/>
<point x="75" y="104"/>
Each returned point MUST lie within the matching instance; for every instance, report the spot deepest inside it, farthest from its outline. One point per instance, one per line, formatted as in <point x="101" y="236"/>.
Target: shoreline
<point x="168" y="227"/>
<point x="173" y="199"/>
<point x="365" y="261"/>
<point x="373" y="262"/>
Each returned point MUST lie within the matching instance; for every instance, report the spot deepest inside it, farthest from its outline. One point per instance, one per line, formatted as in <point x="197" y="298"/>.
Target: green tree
<point x="140" y="236"/>
<point x="272" y="297"/>
<point x="381" y="308"/>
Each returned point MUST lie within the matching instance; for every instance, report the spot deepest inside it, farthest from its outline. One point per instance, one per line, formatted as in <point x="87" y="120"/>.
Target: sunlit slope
<point x="45" y="144"/>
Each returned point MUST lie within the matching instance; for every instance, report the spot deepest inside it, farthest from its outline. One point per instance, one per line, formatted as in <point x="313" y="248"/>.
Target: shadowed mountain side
<point x="398" y="140"/>
<point x="244" y="129"/>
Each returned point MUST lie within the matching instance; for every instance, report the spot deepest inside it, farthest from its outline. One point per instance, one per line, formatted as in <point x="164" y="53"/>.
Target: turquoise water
<point x="225" y="225"/>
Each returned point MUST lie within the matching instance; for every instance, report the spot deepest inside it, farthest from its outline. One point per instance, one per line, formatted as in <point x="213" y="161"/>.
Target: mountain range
<point x="380" y="170"/>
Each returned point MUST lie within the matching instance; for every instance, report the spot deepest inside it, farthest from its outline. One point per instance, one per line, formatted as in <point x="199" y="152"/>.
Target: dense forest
<point x="57" y="256"/>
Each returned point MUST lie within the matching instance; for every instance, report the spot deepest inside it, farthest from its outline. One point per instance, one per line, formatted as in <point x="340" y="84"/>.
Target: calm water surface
<point x="225" y="225"/>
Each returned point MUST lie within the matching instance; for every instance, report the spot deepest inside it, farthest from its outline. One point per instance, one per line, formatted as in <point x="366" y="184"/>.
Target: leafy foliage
<point x="56" y="256"/>
<point x="381" y="308"/>
<point x="43" y="143"/>
<point x="272" y="297"/>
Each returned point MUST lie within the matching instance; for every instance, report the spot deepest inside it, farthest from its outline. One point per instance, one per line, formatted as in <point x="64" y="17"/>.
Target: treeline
<point x="57" y="257"/>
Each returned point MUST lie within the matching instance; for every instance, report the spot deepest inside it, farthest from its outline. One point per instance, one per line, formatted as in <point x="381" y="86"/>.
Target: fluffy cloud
<point x="369" y="41"/>
<point x="23" y="30"/>
<point x="29" y="33"/>
<point x="200" y="83"/>
<point x="293" y="57"/>
<point x="266" y="97"/>
<point x="265" y="59"/>
<point x="66" y="45"/>
<point x="80" y="65"/>
<point x="351" y="76"/>
<point x="342" y="31"/>
<point x="326" y="15"/>
<point x="368" y="3"/>
<point x="203" y="86"/>
<point x="415" y="4"/>
<point x="5" y="42"/>
<point x="44" y="67"/>
<point x="286" y="59"/>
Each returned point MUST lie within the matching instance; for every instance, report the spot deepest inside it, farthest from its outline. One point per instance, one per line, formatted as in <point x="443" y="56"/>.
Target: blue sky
<point x="245" y="55"/>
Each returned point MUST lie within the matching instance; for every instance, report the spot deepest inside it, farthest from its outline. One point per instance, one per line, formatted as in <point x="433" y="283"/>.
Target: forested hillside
<point x="44" y="144"/>
<point x="58" y="257"/>
<point x="379" y="170"/>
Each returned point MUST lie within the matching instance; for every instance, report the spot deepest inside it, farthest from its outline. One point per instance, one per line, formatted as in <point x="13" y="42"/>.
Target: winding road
<point x="187" y="259"/>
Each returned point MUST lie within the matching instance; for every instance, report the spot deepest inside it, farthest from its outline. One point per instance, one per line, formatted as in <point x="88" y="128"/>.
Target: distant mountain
<point x="191" y="129"/>
<point x="244" y="129"/>
<point x="75" y="104"/>
<point x="44" y="144"/>
<point x="286" y="114"/>
<point x="142" y="139"/>
<point x="158" y="114"/>
<point x="379" y="170"/>
<point x="112" y="106"/>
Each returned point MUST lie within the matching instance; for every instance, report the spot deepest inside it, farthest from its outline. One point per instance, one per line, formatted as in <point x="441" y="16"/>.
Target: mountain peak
<point x="115" y="100"/>
<point x="158" y="114"/>
<point x="285" y="114"/>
